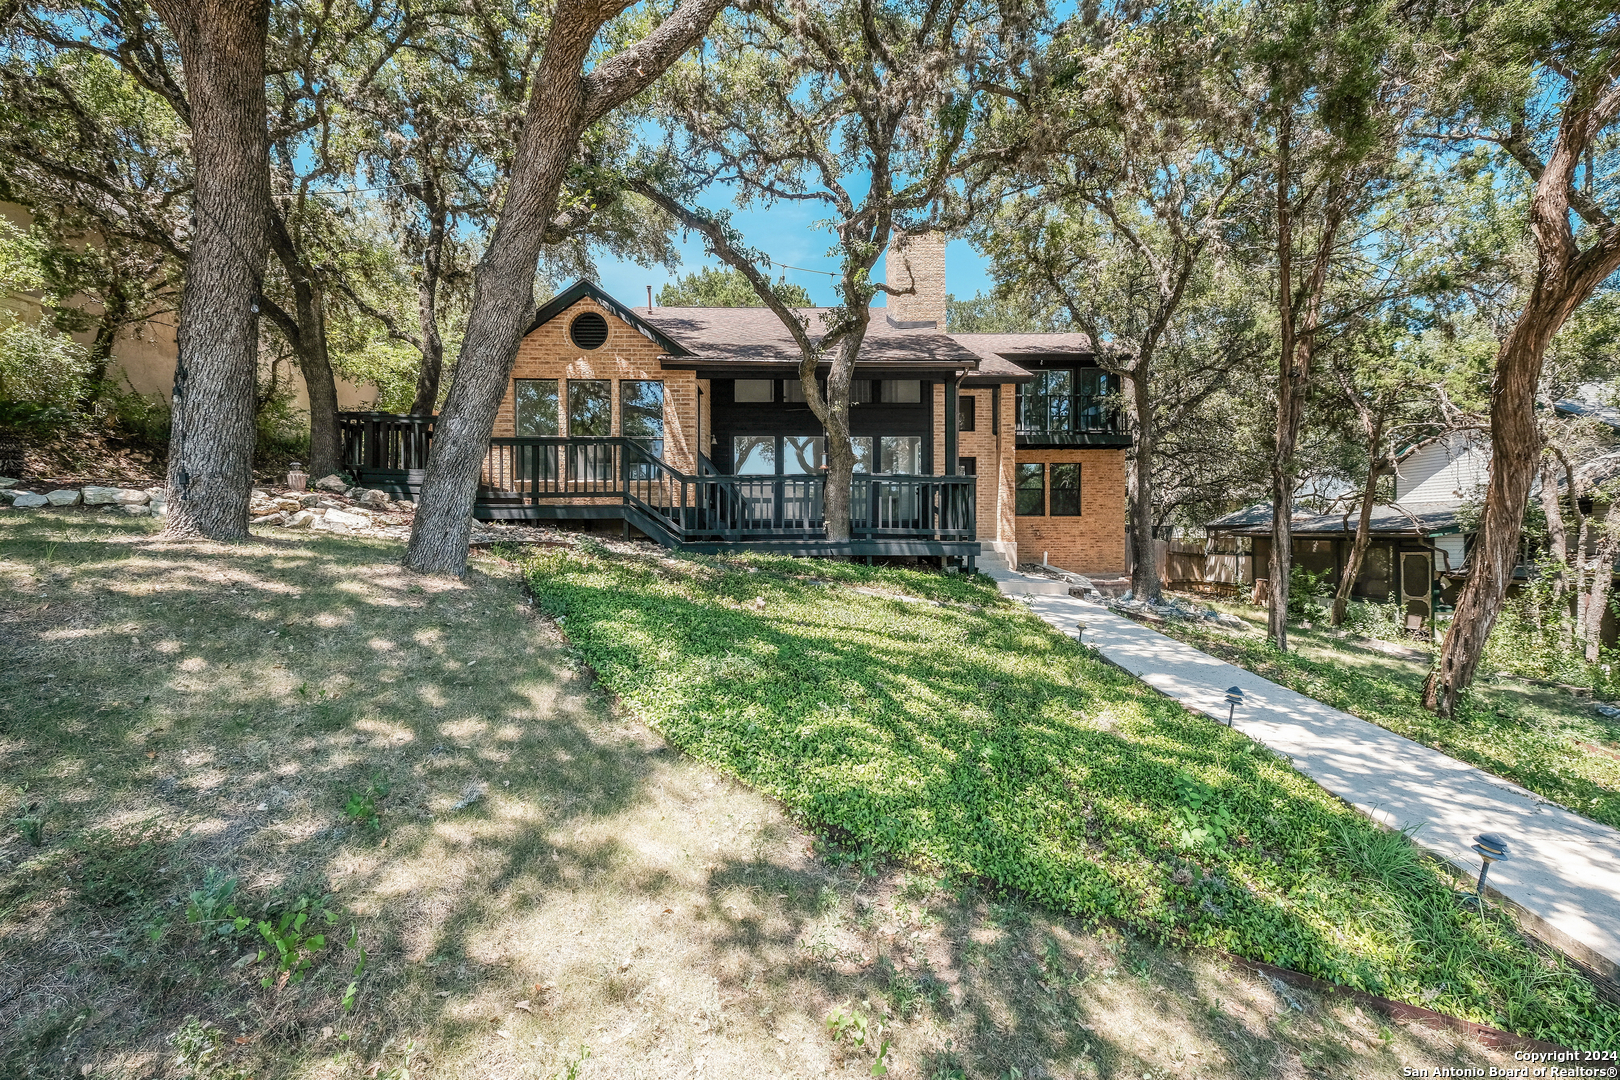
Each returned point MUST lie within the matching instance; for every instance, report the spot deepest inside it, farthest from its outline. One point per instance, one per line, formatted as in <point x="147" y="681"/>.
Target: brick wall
<point x="918" y="260"/>
<point x="1094" y="542"/>
<point x="992" y="454"/>
<point x="547" y="353"/>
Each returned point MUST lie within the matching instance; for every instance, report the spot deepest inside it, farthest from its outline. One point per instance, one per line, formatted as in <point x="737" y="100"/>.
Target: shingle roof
<point x="756" y="335"/>
<point x="1401" y="519"/>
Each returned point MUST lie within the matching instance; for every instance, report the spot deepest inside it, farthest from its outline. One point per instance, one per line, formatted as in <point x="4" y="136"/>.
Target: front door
<point x="1417" y="586"/>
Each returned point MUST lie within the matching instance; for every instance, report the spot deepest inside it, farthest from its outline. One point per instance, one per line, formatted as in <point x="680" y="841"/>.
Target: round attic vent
<point x="588" y="331"/>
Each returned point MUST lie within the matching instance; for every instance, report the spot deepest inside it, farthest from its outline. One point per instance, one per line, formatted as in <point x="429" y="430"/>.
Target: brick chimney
<point x="917" y="260"/>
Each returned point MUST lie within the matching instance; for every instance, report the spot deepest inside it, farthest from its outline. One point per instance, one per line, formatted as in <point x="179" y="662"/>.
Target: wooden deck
<point x="585" y="479"/>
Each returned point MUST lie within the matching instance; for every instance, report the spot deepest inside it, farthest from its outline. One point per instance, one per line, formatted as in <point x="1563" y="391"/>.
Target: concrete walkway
<point x="1565" y="869"/>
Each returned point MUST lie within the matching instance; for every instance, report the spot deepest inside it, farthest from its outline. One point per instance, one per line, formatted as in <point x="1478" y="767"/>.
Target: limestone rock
<point x="28" y="500"/>
<point x="269" y="519"/>
<point x="309" y="500"/>
<point x="95" y="495"/>
<point x="64" y="497"/>
<point x="289" y="504"/>
<point x="346" y="519"/>
<point x="138" y="509"/>
<point x="374" y="498"/>
<point x="301" y="520"/>
<point x="334" y="483"/>
<point x="8" y="482"/>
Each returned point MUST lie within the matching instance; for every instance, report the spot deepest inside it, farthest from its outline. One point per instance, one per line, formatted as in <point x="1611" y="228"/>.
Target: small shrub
<point x="1370" y="619"/>
<point x="41" y="366"/>
<point x="1308" y="594"/>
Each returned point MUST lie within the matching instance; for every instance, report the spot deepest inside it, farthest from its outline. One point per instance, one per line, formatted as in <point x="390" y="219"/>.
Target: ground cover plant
<point x="1540" y="737"/>
<point x="508" y="876"/>
<point x="945" y="726"/>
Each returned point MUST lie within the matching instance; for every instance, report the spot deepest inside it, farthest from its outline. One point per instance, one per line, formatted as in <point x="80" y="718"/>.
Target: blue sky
<point x="787" y="233"/>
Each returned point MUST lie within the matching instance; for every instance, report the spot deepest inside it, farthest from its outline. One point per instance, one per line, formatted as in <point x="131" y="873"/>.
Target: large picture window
<point x="753" y="455"/>
<point x="1031" y="488"/>
<point x="641" y="417"/>
<point x="535" y="404"/>
<point x="590" y="407"/>
<point x="900" y="454"/>
<point x="863" y="454"/>
<point x="803" y="454"/>
<point x="1066" y="490"/>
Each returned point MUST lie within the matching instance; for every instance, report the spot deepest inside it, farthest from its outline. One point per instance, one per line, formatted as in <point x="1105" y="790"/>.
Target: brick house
<point x="689" y="425"/>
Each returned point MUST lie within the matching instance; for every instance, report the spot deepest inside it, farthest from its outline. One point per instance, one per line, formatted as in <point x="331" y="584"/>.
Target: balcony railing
<point x="1084" y="413"/>
<point x="523" y="475"/>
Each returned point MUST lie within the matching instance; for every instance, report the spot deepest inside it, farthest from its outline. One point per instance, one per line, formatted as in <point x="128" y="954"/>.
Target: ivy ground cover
<point x="929" y="719"/>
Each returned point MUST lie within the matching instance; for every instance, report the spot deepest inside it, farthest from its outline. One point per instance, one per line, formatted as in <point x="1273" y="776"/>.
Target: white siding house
<point x="1451" y="469"/>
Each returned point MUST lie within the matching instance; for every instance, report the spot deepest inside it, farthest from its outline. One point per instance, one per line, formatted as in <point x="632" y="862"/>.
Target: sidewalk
<point x="1565" y="870"/>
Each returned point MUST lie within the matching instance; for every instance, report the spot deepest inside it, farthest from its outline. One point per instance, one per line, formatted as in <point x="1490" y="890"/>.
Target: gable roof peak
<point x="626" y="314"/>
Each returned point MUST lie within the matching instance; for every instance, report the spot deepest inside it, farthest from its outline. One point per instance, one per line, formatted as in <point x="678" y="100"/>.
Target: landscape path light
<point x="1234" y="698"/>
<point x="1491" y="848"/>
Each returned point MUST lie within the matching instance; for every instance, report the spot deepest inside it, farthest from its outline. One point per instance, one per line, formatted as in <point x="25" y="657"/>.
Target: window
<point x="966" y="413"/>
<point x="588" y="330"/>
<point x="590" y="407"/>
<point x="803" y="454"/>
<point x="967" y="466"/>
<point x="748" y="390"/>
<point x="753" y="454"/>
<point x="863" y="454"/>
<point x="902" y="391"/>
<point x="535" y="404"/>
<point x="1031" y="487"/>
<point x="860" y="392"/>
<point x="641" y="416"/>
<point x="1066" y="490"/>
<point x="900" y="454"/>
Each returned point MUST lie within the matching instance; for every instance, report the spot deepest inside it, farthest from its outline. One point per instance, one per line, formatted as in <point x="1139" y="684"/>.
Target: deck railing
<point x="526" y="473"/>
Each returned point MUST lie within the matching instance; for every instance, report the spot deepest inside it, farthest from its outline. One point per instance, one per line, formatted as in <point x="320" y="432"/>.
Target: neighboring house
<point x="145" y="352"/>
<point x="1419" y="542"/>
<point x="689" y="425"/>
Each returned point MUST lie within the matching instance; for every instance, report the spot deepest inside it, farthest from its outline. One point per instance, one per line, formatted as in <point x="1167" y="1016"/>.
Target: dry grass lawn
<point x="541" y="874"/>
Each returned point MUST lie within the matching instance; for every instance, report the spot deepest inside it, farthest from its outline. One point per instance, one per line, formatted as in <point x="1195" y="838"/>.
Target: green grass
<point x="963" y="735"/>
<point x="1539" y="737"/>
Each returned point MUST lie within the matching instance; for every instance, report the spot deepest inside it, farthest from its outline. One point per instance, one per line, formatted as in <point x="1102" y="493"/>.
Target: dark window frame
<point x="1022" y="490"/>
<point x="1069" y="509"/>
<point x="572" y="383"/>
<point x="967" y="412"/>
<point x="518" y="411"/>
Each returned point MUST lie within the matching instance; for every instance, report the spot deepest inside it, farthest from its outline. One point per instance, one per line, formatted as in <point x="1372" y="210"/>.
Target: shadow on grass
<point x="974" y="740"/>
<point x="535" y="847"/>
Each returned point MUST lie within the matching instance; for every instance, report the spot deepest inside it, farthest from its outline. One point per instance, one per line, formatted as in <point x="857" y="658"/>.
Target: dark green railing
<point x="527" y="473"/>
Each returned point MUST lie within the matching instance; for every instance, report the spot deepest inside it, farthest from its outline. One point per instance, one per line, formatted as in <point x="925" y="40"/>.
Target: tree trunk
<point x="1515" y="446"/>
<point x="1557" y="537"/>
<point x="116" y="309"/>
<point x="325" y="440"/>
<point x="222" y="49"/>
<point x="1145" y="583"/>
<point x="1358" y="547"/>
<point x="1564" y="278"/>
<point x="1282" y="451"/>
<point x="503" y="282"/>
<point x="1597" y="602"/>
<point x="427" y="307"/>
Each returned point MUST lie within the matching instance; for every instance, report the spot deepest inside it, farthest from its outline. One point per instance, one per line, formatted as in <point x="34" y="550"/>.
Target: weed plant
<point x="961" y="734"/>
